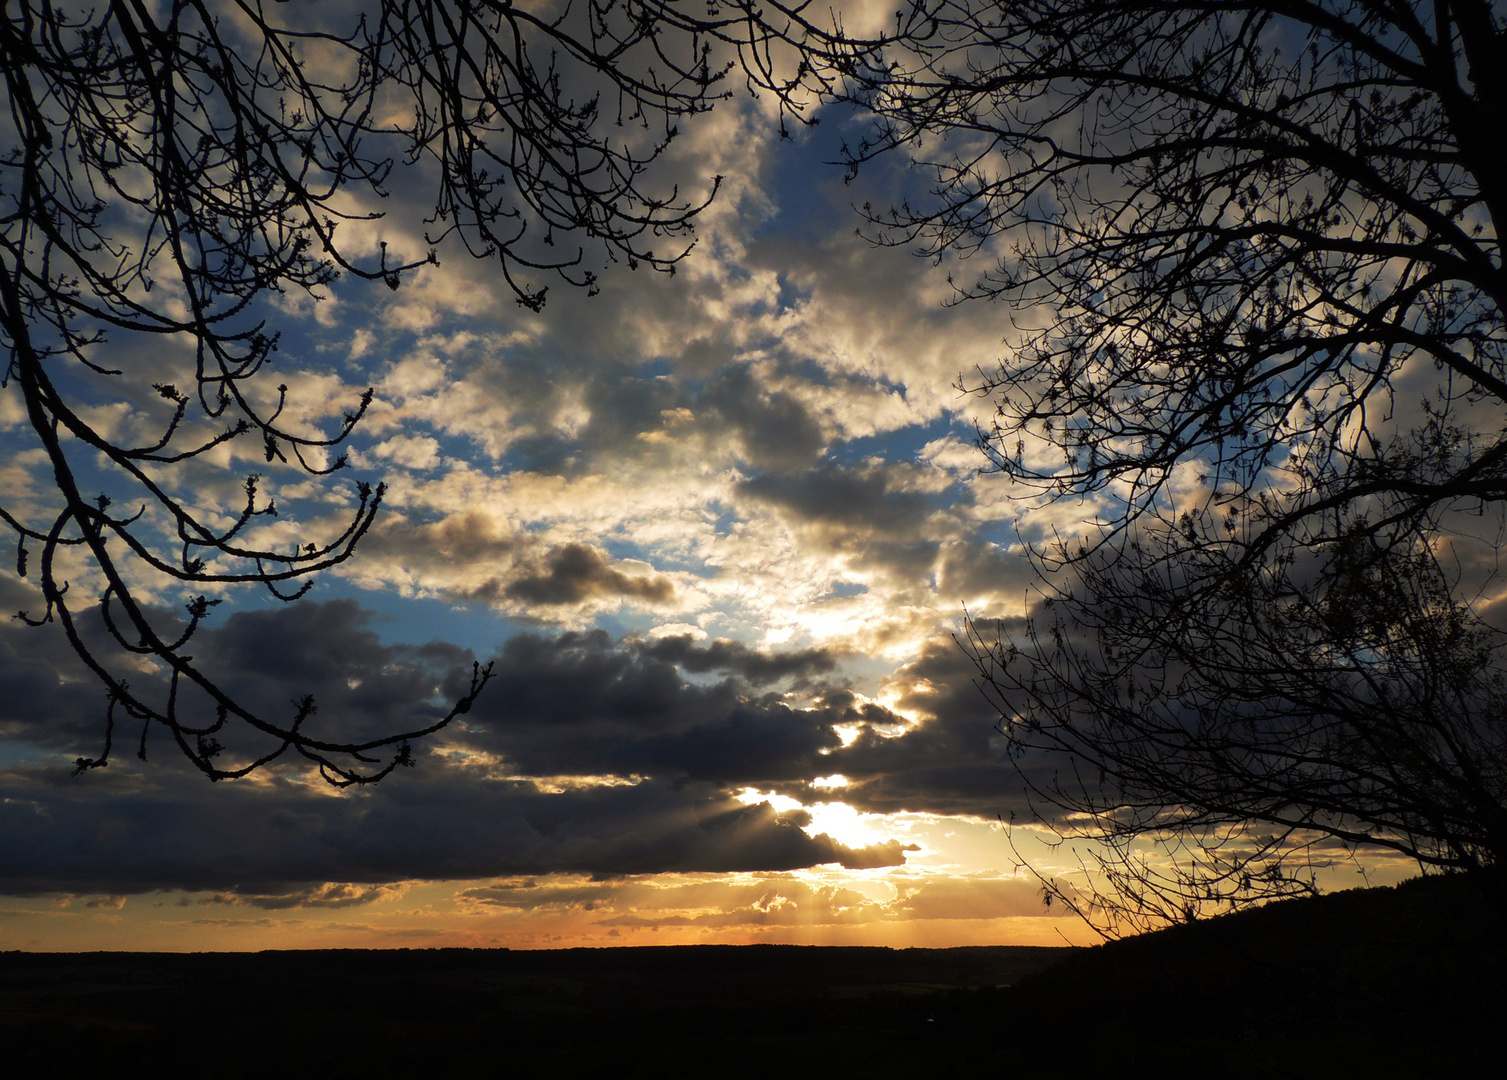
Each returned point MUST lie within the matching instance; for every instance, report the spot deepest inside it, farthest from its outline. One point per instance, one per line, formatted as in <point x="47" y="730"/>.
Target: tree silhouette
<point x="169" y="171"/>
<point x="1253" y="254"/>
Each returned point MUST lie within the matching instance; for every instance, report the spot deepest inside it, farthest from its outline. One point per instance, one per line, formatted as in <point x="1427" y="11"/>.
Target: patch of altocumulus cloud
<point x="644" y="414"/>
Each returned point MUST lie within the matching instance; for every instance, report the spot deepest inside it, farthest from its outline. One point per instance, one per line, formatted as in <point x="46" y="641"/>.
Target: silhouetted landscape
<point x="668" y="475"/>
<point x="1403" y="981"/>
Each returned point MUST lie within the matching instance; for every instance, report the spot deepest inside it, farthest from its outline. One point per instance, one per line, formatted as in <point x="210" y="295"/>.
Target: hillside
<point x="1375" y="982"/>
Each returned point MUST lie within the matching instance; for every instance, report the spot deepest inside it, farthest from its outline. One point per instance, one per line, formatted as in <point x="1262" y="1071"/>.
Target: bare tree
<point x="1254" y="251"/>
<point x="1222" y="732"/>
<point x="168" y="170"/>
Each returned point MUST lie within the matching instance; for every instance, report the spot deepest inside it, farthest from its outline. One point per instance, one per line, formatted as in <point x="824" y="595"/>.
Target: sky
<point x="718" y="532"/>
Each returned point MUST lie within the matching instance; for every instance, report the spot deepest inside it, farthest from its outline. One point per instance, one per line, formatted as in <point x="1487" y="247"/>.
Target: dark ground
<point x="1404" y="982"/>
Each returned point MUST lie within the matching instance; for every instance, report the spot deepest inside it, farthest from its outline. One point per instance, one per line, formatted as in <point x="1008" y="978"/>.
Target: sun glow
<point x="848" y="733"/>
<point x="835" y="819"/>
<point x="781" y="804"/>
<point x="846" y="825"/>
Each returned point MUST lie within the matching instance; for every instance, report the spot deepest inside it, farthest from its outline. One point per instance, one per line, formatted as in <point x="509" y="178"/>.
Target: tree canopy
<point x="1251" y="254"/>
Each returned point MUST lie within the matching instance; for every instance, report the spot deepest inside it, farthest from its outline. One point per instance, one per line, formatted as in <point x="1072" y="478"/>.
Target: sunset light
<point x="524" y="476"/>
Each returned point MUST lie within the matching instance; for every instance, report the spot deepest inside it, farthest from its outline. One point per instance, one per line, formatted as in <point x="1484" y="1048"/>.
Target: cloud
<point x="255" y="845"/>
<point x="585" y="753"/>
<point x="972" y="898"/>
<point x="763" y="900"/>
<point x="557" y="892"/>
<point x="581" y="703"/>
<point x="410" y="451"/>
<point x="888" y="853"/>
<point x="573" y="573"/>
<point x="649" y="765"/>
<point x="468" y="537"/>
<point x="329" y="894"/>
<point x="776" y="432"/>
<point x="733" y="656"/>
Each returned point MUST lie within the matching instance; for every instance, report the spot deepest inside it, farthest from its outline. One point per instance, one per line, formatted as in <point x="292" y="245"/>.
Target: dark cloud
<point x="43" y="699"/>
<point x="363" y="689"/>
<point x="263" y="659"/>
<point x="578" y="680"/>
<point x="863" y="511"/>
<point x="736" y="658"/>
<point x="752" y="745"/>
<point x="953" y="762"/>
<point x="584" y="754"/>
<point x="970" y="570"/>
<point x="465" y="539"/>
<point x="573" y="573"/>
<point x="259" y="844"/>
<point x="623" y="407"/>
<point x="859" y="501"/>
<point x="583" y="704"/>
<point x="888" y="853"/>
<point x="471" y="556"/>
<point x="776" y="431"/>
<point x="577" y="705"/>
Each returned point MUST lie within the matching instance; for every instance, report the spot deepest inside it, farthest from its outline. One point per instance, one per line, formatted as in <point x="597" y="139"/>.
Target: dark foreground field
<point x="1404" y="982"/>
